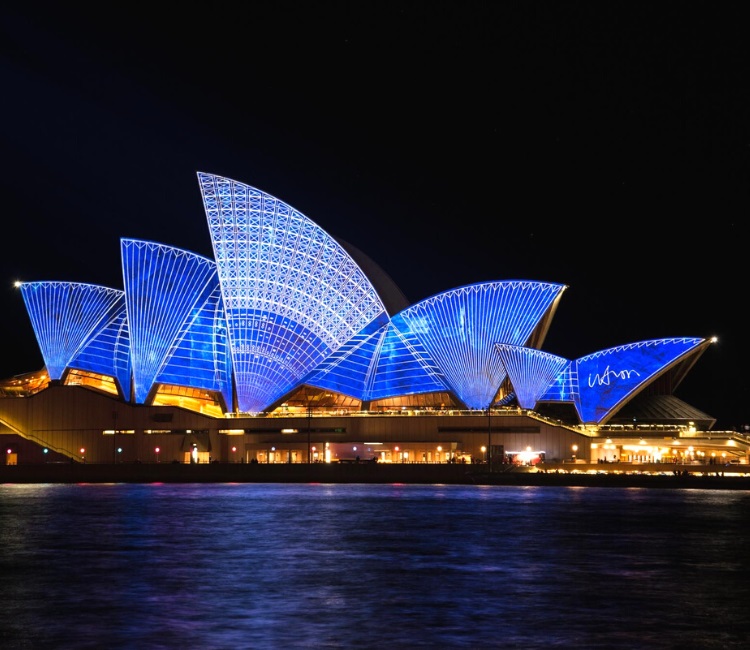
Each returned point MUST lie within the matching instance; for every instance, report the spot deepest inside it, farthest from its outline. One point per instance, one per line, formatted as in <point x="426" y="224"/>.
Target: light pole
<point x="489" y="436"/>
<point x="309" y="426"/>
<point x="114" y="437"/>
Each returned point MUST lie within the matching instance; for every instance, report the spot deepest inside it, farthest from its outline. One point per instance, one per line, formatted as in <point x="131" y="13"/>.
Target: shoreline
<point x="413" y="474"/>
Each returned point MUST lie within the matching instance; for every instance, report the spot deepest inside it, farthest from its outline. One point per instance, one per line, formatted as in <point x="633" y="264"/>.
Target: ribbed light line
<point x="199" y="357"/>
<point x="530" y="371"/>
<point x="378" y="365"/>
<point x="108" y="351"/>
<point x="65" y="316"/>
<point x="162" y="285"/>
<point x="459" y="329"/>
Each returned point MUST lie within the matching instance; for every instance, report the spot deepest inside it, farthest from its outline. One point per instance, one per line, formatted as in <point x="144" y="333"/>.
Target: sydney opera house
<point x="292" y="346"/>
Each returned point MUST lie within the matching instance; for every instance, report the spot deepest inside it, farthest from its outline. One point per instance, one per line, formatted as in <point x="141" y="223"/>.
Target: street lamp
<point x="309" y="423"/>
<point x="575" y="449"/>
<point x="114" y="436"/>
<point x="489" y="434"/>
<point x="484" y="453"/>
<point x="157" y="450"/>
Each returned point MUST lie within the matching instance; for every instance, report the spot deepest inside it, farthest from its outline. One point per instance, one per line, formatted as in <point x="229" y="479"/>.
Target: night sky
<point x="590" y="144"/>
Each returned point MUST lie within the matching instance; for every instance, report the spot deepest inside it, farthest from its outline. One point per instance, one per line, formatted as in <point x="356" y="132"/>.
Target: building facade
<point x="292" y="346"/>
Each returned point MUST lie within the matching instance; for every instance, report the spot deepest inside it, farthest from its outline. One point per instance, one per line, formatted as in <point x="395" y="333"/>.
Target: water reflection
<point x="371" y="566"/>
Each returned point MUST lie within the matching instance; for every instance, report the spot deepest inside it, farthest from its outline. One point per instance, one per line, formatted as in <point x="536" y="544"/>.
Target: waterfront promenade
<point x="712" y="477"/>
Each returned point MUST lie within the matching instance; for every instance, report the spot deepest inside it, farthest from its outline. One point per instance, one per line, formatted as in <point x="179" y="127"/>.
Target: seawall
<point x="426" y="474"/>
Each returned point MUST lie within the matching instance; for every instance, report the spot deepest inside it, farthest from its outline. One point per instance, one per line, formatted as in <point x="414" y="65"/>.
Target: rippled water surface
<point x="372" y="566"/>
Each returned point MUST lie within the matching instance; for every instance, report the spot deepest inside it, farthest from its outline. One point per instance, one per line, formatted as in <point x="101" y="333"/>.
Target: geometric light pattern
<point x="65" y="316"/>
<point x="163" y="287"/>
<point x="199" y="357"/>
<point x="563" y="388"/>
<point x="611" y="377"/>
<point x="530" y="371"/>
<point x="350" y="369"/>
<point x="376" y="364"/>
<point x="107" y="351"/>
<point x="291" y="293"/>
<point x="404" y="368"/>
<point x="285" y="304"/>
<point x="460" y="328"/>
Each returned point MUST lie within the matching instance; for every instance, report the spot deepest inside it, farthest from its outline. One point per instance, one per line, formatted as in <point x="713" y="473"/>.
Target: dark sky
<point x="455" y="142"/>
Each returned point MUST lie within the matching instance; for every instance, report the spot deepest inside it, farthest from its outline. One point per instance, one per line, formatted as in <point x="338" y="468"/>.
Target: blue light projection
<point x="376" y="364"/>
<point x="108" y="351"/>
<point x="65" y="317"/>
<point x="285" y="304"/>
<point x="404" y="368"/>
<point x="564" y="387"/>
<point x="459" y="330"/>
<point x="610" y="377"/>
<point x="350" y="369"/>
<point x="291" y="293"/>
<point x="163" y="287"/>
<point x="200" y="355"/>
<point x="530" y="371"/>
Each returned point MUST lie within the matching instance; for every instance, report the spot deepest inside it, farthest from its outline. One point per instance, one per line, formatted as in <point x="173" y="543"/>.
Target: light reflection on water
<point x="371" y="566"/>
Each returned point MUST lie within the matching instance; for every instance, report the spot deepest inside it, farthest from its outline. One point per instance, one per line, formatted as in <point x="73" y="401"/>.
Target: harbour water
<point x="234" y="566"/>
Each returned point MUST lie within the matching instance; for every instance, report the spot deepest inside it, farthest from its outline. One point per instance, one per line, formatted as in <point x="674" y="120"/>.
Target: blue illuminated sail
<point x="530" y="371"/>
<point x="291" y="293"/>
<point x="460" y="328"/>
<point x="163" y="287"/>
<point x="65" y="317"/>
<point x="609" y="378"/>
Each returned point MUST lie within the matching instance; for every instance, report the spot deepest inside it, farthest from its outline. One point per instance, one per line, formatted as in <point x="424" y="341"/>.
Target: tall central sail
<point x="291" y="293"/>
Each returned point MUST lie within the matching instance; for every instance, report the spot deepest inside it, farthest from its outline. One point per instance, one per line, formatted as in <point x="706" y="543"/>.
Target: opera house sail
<point x="284" y="318"/>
